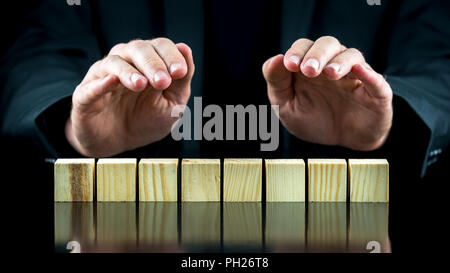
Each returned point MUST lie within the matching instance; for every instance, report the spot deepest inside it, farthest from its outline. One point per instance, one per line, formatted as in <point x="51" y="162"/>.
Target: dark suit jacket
<point x="408" y="41"/>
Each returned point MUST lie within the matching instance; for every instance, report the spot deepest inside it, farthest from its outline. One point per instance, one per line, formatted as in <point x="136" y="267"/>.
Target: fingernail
<point x="312" y="63"/>
<point x="136" y="77"/>
<point x="295" y="59"/>
<point x="159" y="76"/>
<point x="336" y="67"/>
<point x="174" y="67"/>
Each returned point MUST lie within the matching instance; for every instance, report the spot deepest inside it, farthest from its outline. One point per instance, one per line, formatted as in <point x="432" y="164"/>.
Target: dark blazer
<point x="408" y="41"/>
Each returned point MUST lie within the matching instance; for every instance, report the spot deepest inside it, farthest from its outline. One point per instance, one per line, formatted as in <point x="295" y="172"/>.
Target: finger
<point x="129" y="76"/>
<point x="342" y="64"/>
<point x="278" y="79"/>
<point x="181" y="88"/>
<point x="295" y="54"/>
<point x="86" y="95"/>
<point x="186" y="51"/>
<point x="320" y="53"/>
<point x="374" y="82"/>
<point x="172" y="57"/>
<point x="143" y="56"/>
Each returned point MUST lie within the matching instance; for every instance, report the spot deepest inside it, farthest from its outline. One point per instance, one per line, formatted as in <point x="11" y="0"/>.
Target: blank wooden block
<point x="158" y="179"/>
<point x="74" y="179"/>
<point x="200" y="180"/>
<point x="116" y="179"/>
<point x="369" y="180"/>
<point x="285" y="180"/>
<point x="242" y="180"/>
<point x="327" y="180"/>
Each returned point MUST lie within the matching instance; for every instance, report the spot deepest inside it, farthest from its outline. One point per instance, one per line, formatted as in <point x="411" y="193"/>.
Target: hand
<point x="328" y="94"/>
<point x="125" y="100"/>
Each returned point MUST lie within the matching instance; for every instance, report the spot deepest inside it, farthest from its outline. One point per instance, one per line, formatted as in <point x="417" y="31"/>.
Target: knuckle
<point x="116" y="48"/>
<point x="302" y="42"/>
<point x="329" y="40"/>
<point x="136" y="45"/>
<point x="160" y="41"/>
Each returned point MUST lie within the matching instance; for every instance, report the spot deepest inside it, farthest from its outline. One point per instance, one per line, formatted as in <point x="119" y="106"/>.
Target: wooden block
<point x="327" y="180"/>
<point x="242" y="225"/>
<point x="369" y="180"/>
<point x="158" y="179"/>
<point x="242" y="180"/>
<point x="327" y="227"/>
<point x="200" y="225"/>
<point x="285" y="226"/>
<point x="368" y="222"/>
<point x="200" y="180"/>
<point x="158" y="225"/>
<point x="74" y="179"/>
<point x="116" y="179"/>
<point x="285" y="180"/>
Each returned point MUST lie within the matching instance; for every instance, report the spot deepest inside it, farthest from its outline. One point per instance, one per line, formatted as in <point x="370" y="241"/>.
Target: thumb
<point x="279" y="80"/>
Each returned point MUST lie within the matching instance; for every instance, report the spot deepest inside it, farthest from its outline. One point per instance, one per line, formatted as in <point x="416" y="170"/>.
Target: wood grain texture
<point x="116" y="179"/>
<point x="369" y="180"/>
<point x="116" y="225"/>
<point x="158" y="224"/>
<point x="285" y="180"/>
<point x="74" y="221"/>
<point x="200" y="180"/>
<point x="74" y="179"/>
<point x="242" y="180"/>
<point x="327" y="227"/>
<point x="327" y="180"/>
<point x="158" y="179"/>
<point x="368" y="222"/>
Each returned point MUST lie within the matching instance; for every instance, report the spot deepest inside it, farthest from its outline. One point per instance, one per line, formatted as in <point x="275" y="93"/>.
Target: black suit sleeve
<point x="42" y="69"/>
<point x="418" y="68"/>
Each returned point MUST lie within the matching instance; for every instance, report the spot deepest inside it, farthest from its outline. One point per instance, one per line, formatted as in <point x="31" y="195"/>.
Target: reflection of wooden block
<point x="242" y="180"/>
<point x="116" y="179"/>
<point x="158" y="224"/>
<point x="369" y="180"/>
<point x="200" y="180"/>
<point x="116" y="224"/>
<point x="285" y="180"/>
<point x="327" y="227"/>
<point x="74" y="221"/>
<point x="158" y="179"/>
<point x="200" y="224"/>
<point x="74" y="179"/>
<point x="242" y="225"/>
<point x="327" y="180"/>
<point x="285" y="225"/>
<point x="368" y="222"/>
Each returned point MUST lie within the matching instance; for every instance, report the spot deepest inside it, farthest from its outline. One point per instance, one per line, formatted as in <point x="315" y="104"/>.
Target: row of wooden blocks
<point x="242" y="180"/>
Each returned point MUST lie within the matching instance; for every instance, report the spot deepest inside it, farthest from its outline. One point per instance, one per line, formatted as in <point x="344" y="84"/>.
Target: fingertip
<point x="139" y="82"/>
<point x="332" y="72"/>
<point x="292" y="63"/>
<point x="110" y="81"/>
<point x="178" y="70"/>
<point x="161" y="80"/>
